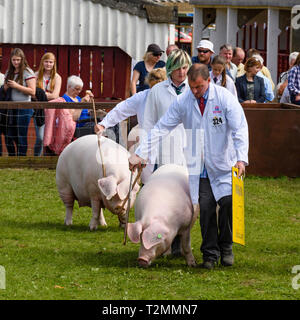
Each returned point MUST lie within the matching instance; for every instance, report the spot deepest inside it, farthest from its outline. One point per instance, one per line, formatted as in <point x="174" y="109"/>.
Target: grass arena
<point x="41" y="258"/>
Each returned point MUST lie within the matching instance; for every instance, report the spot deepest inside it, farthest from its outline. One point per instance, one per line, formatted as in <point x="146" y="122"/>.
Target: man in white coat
<point x="134" y="105"/>
<point x="160" y="97"/>
<point x="217" y="140"/>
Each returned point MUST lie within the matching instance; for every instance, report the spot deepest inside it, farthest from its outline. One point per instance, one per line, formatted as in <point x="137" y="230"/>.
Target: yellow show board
<point x="238" y="211"/>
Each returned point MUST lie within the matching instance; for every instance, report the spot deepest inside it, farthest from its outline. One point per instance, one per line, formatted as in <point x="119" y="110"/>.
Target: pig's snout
<point x="122" y="218"/>
<point x="120" y="210"/>
<point x="144" y="262"/>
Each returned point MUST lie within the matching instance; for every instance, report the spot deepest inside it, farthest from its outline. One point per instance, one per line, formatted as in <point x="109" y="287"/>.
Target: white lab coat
<point x="219" y="138"/>
<point x="135" y="105"/>
<point x="170" y="148"/>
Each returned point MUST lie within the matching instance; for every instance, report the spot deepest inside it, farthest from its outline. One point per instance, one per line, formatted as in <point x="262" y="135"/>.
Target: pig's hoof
<point x="167" y="253"/>
<point x="192" y="264"/>
<point x="103" y="224"/>
<point x="94" y="225"/>
<point x="68" y="222"/>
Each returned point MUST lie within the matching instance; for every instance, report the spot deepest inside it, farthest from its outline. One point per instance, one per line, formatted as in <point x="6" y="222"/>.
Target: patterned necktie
<point x="178" y="89"/>
<point x="201" y="105"/>
<point x="215" y="79"/>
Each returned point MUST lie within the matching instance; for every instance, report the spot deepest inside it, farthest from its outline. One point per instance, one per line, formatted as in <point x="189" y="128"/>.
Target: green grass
<point x="44" y="259"/>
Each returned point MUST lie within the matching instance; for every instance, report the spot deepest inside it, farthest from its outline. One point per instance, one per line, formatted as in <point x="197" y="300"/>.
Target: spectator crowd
<point x="242" y="73"/>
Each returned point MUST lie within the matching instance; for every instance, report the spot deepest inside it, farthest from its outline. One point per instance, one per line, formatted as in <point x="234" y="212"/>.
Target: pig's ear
<point x="108" y="186"/>
<point x="134" y="230"/>
<point x="122" y="189"/>
<point x="154" y="235"/>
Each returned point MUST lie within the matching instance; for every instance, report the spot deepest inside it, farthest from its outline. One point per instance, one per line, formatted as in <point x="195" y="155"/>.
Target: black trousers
<point x="4" y="129"/>
<point x="216" y="229"/>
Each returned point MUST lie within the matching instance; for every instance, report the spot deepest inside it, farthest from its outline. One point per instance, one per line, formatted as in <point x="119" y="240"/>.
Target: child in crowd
<point x="50" y="81"/>
<point x="218" y="74"/>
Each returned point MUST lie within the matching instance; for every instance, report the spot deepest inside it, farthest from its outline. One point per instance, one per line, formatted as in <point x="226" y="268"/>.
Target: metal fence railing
<point x="40" y="161"/>
<point x="274" y="135"/>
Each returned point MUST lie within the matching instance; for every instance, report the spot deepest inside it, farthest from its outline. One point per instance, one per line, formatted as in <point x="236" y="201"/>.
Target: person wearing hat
<point x="150" y="61"/>
<point x="205" y="51"/>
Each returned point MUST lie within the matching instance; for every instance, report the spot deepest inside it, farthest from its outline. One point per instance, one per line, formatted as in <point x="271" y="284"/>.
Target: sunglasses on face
<point x="156" y="54"/>
<point x="203" y="51"/>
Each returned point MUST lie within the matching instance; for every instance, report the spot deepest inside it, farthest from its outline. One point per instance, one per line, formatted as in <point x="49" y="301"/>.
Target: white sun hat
<point x="206" y="44"/>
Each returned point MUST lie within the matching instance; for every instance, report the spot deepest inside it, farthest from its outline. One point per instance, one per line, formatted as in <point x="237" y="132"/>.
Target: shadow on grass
<point x="125" y="259"/>
<point x="92" y="256"/>
<point x="45" y="225"/>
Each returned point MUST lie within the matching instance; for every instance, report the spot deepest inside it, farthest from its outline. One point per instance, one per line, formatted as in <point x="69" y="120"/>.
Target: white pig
<point x="79" y="177"/>
<point x="163" y="209"/>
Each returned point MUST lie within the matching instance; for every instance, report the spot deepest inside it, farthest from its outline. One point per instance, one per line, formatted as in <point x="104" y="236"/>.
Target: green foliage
<point x="44" y="259"/>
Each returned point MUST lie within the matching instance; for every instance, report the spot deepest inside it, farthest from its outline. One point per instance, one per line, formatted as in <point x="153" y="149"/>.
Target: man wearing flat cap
<point x="205" y="51"/>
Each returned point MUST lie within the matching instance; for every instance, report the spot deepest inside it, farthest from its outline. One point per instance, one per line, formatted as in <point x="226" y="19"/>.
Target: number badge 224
<point x="217" y="120"/>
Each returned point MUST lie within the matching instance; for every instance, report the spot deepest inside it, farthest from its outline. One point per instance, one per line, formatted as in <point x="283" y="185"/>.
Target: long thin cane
<point x="99" y="146"/>
<point x="131" y="186"/>
<point x="134" y="182"/>
<point x="128" y="208"/>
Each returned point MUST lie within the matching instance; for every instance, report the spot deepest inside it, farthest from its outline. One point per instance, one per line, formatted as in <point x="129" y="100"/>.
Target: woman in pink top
<point x="60" y="124"/>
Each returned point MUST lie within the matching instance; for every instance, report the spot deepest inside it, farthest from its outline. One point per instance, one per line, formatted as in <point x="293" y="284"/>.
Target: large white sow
<point x="79" y="177"/>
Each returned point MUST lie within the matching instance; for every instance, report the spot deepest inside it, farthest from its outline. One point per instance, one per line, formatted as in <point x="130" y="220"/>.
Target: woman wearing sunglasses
<point x="150" y="61"/>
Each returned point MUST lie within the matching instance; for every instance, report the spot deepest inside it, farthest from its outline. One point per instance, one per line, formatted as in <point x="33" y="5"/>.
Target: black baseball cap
<point x="154" y="48"/>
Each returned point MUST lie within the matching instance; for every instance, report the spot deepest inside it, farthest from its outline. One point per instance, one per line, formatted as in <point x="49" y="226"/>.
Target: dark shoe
<point x="208" y="264"/>
<point x="227" y="260"/>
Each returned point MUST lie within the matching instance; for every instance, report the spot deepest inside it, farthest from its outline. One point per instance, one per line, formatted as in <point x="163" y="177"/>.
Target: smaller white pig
<point x="79" y="177"/>
<point x="163" y="209"/>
